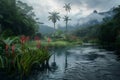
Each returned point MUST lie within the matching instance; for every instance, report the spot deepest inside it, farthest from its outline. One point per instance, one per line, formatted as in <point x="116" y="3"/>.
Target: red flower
<point x="37" y="41"/>
<point x="49" y="40"/>
<point x="38" y="44"/>
<point x="27" y="38"/>
<point x="23" y="39"/>
<point x="37" y="38"/>
<point x="13" y="48"/>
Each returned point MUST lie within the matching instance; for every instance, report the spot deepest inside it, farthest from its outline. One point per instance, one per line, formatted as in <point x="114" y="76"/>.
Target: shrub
<point x="18" y="56"/>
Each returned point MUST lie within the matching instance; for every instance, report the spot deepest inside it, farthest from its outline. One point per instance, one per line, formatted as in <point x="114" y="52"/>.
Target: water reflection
<point x="59" y="53"/>
<point x="53" y="64"/>
<point x="66" y="60"/>
<point x="79" y="62"/>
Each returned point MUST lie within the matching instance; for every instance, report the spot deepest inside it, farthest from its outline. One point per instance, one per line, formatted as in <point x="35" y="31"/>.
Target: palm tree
<point x="67" y="7"/>
<point x="54" y="17"/>
<point x="66" y="19"/>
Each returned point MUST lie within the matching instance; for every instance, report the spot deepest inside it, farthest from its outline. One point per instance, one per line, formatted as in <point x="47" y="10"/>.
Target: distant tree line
<point x="107" y="33"/>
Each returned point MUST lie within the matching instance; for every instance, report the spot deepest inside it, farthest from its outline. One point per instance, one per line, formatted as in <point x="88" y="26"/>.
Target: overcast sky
<point x="80" y="8"/>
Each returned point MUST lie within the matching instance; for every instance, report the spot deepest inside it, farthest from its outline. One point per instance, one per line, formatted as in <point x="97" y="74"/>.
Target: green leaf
<point x="1" y="62"/>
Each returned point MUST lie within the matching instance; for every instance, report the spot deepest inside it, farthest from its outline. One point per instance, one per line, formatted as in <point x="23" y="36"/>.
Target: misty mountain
<point x="45" y="29"/>
<point x="95" y="18"/>
<point x="90" y="20"/>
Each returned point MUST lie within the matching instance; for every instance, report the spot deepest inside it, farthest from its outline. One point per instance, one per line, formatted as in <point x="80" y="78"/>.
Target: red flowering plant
<point x="49" y="40"/>
<point x="8" y="52"/>
<point x="24" y="39"/>
<point x="13" y="49"/>
<point x="22" y="58"/>
<point x="8" y="43"/>
<point x="37" y="39"/>
<point x="38" y="44"/>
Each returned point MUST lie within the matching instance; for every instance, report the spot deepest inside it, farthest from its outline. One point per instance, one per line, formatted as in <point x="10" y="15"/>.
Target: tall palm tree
<point x="54" y="17"/>
<point x="67" y="7"/>
<point x="66" y="19"/>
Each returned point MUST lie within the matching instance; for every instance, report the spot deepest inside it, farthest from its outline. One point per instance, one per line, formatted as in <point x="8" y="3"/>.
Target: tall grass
<point x="17" y="56"/>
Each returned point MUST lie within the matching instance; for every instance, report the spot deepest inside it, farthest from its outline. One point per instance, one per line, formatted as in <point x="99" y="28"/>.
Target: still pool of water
<point x="81" y="63"/>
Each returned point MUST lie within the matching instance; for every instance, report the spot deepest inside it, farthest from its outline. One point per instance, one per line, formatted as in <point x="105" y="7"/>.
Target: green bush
<point x="19" y="57"/>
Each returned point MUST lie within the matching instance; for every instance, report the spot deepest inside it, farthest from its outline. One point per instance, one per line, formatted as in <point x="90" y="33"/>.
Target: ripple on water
<point x="82" y="63"/>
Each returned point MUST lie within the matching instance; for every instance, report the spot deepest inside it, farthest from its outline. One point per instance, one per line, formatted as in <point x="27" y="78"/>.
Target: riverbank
<point x="57" y="43"/>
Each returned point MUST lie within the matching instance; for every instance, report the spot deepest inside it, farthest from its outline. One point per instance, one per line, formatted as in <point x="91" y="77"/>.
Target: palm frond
<point x="54" y="16"/>
<point x="67" y="7"/>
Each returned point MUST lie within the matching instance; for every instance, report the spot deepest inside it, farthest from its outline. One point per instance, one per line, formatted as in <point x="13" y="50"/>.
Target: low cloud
<point x="80" y="8"/>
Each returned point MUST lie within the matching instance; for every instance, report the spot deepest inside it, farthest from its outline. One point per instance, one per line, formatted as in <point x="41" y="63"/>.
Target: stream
<point x="81" y="63"/>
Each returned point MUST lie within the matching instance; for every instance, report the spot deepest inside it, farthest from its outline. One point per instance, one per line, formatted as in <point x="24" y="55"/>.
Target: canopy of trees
<point x="108" y="33"/>
<point x="16" y="18"/>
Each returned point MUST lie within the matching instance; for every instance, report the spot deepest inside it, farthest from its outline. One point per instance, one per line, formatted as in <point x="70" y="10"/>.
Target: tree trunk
<point x="54" y="30"/>
<point x="66" y="60"/>
<point x="66" y="27"/>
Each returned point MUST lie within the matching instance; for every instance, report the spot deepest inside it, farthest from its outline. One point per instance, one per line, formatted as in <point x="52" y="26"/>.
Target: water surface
<point x="81" y="63"/>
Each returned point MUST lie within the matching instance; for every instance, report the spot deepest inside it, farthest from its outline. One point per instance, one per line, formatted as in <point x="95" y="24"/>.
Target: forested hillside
<point x="16" y="18"/>
<point x="107" y="33"/>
